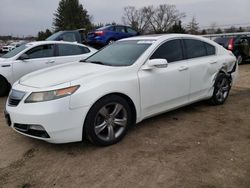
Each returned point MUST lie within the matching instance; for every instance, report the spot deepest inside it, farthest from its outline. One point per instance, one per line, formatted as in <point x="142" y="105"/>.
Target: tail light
<point x="99" y="33"/>
<point x="231" y="44"/>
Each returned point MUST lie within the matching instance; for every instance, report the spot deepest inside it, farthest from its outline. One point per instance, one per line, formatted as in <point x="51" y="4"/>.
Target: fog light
<point x="36" y="127"/>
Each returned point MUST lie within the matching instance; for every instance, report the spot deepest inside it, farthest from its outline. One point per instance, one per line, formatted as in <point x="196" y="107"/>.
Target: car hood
<point x="5" y="60"/>
<point x="62" y="74"/>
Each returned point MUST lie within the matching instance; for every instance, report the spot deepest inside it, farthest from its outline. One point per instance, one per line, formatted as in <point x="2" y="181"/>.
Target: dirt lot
<point x="196" y="146"/>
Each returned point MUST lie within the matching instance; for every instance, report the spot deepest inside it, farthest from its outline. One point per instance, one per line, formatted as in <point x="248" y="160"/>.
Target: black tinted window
<point x="69" y="49"/>
<point x="131" y="31"/>
<point x="42" y="51"/>
<point x="171" y="51"/>
<point x="120" y="29"/>
<point x="210" y="49"/>
<point x="70" y="37"/>
<point x="195" y="48"/>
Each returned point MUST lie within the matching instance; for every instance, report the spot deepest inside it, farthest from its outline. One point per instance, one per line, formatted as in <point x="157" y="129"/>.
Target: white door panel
<point x="201" y="74"/>
<point x="23" y="67"/>
<point x="164" y="88"/>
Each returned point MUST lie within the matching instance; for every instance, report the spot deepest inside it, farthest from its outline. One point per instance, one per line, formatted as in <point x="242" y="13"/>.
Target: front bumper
<point x="60" y="122"/>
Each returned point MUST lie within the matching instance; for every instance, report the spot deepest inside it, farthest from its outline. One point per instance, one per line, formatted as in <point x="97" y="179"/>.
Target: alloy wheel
<point x="223" y="90"/>
<point x="110" y="122"/>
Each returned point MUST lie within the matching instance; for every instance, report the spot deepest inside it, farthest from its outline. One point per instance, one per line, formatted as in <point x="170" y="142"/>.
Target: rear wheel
<point x="4" y="87"/>
<point x="222" y="88"/>
<point x="107" y="121"/>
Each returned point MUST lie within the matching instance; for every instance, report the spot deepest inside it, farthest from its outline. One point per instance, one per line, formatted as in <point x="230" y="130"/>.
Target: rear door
<point x="203" y="64"/>
<point x="120" y="32"/>
<point x="39" y="57"/>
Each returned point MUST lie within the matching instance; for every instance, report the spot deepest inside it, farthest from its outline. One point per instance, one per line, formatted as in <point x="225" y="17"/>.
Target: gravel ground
<point x="199" y="146"/>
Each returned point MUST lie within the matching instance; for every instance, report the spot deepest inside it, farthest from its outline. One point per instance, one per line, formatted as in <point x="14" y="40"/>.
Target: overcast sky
<point x="27" y="17"/>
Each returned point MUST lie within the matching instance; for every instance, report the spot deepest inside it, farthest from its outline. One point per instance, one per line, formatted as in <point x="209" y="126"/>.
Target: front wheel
<point x="222" y="88"/>
<point x="107" y="121"/>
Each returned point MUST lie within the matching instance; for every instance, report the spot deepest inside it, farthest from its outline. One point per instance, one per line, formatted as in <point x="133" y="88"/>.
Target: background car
<point x="37" y="55"/>
<point x="12" y="46"/>
<point x="109" y="34"/>
<point x="69" y="36"/>
<point x="239" y="45"/>
<point x="122" y="84"/>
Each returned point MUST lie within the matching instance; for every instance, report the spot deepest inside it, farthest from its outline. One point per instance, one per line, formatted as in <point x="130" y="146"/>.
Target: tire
<point x="222" y="88"/>
<point x="239" y="59"/>
<point x="4" y="87"/>
<point x="107" y="121"/>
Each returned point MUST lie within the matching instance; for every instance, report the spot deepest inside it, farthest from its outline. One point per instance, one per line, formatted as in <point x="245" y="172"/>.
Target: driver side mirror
<point x="155" y="63"/>
<point x="23" y="57"/>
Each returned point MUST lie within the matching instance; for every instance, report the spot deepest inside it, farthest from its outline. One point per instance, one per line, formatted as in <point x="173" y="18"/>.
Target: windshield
<point x="16" y="51"/>
<point x="54" y="36"/>
<point x="122" y="53"/>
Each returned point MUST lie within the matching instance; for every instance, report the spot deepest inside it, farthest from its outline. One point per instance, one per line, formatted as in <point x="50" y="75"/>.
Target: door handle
<point x="213" y="62"/>
<point x="5" y="65"/>
<point x="182" y="68"/>
<point x="50" y="62"/>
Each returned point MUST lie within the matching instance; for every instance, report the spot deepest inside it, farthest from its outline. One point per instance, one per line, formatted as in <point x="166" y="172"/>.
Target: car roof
<point x="163" y="36"/>
<point x="52" y="42"/>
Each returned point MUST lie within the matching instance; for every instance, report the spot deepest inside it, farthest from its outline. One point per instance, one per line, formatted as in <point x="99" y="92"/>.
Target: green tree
<point x="43" y="35"/>
<point x="71" y="15"/>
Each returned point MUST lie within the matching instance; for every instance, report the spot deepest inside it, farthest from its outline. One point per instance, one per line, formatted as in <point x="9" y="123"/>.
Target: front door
<point x="39" y="57"/>
<point x="163" y="89"/>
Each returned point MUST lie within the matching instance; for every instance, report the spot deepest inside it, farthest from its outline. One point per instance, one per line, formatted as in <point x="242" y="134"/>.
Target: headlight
<point x="50" y="95"/>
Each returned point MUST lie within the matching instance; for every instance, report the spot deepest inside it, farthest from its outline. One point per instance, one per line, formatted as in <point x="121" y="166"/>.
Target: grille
<point x="15" y="97"/>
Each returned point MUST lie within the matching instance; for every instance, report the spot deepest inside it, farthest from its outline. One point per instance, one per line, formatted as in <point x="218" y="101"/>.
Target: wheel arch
<point x="5" y="79"/>
<point x="122" y="95"/>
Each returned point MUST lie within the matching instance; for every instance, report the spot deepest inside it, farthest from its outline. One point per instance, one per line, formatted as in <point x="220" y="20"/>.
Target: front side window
<point x="123" y="53"/>
<point x="70" y="37"/>
<point x="42" y="51"/>
<point x="171" y="51"/>
<point x="195" y="48"/>
<point x="70" y="49"/>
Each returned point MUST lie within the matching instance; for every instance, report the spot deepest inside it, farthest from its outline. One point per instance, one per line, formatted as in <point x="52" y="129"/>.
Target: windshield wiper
<point x="95" y="62"/>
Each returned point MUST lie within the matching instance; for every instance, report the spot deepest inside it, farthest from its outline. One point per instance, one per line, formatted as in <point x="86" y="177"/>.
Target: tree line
<point x="164" y="18"/>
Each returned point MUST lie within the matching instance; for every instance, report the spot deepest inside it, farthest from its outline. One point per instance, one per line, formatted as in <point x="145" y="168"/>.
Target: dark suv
<point x="239" y="45"/>
<point x="108" y="34"/>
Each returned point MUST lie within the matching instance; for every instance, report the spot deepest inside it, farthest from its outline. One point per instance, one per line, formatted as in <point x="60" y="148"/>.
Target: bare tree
<point x="137" y="18"/>
<point x="164" y="17"/>
<point x="193" y="26"/>
<point x="146" y="19"/>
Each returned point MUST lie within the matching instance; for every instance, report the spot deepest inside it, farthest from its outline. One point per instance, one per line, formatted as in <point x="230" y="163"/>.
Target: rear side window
<point x="131" y="31"/>
<point x="120" y="29"/>
<point x="171" y="51"/>
<point x="195" y="48"/>
<point x="69" y="49"/>
<point x="42" y="51"/>
<point x="210" y="49"/>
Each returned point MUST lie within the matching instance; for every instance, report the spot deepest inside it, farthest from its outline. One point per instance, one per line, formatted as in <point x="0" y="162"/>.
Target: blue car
<point x="109" y="34"/>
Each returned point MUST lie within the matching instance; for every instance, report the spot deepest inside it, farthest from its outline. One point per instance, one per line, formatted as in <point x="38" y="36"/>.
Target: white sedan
<point x="37" y="55"/>
<point x="122" y="84"/>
